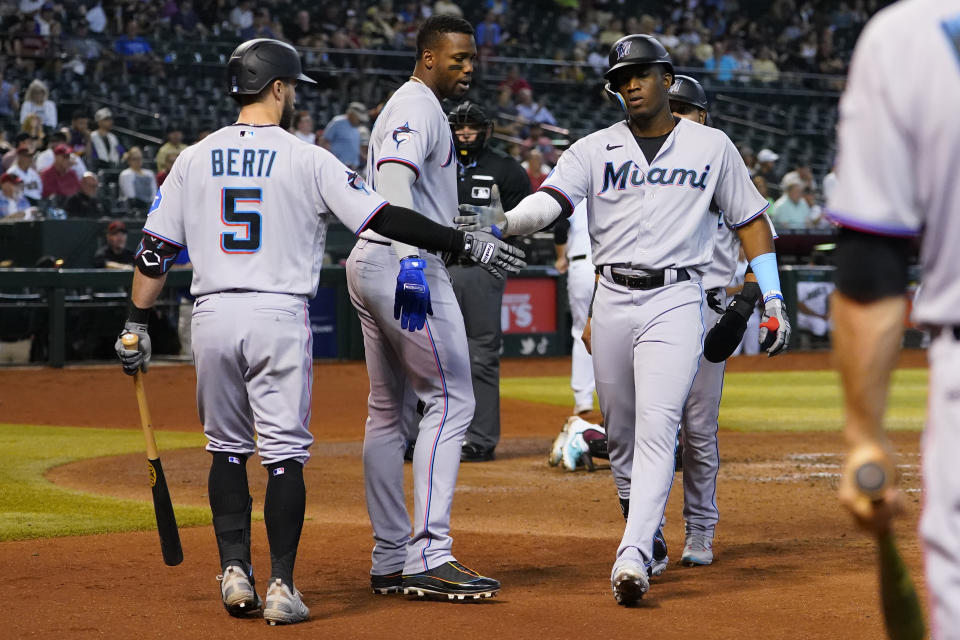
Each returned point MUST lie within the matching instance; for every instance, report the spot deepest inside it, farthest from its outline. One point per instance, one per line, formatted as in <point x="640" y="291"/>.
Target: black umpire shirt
<point x="506" y="172"/>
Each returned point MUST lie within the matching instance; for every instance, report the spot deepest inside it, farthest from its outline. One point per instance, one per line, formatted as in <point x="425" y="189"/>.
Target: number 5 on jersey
<point x="235" y="212"/>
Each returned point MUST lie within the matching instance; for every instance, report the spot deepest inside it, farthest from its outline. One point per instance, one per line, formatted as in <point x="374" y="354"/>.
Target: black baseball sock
<point x="230" y="503"/>
<point x="283" y="513"/>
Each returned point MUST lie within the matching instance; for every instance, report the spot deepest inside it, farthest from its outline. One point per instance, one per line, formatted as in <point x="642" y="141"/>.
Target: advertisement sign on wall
<point x="529" y="306"/>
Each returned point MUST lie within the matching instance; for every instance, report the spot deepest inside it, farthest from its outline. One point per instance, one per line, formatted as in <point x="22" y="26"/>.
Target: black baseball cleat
<point x="472" y="452"/>
<point x="386" y="584"/>
<point x="452" y="580"/>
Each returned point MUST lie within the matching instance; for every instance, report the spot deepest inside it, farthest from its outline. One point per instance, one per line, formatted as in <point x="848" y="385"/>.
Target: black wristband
<point x="138" y="315"/>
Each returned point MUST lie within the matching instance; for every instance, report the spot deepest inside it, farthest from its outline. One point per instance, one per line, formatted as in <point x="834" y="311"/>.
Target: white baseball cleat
<point x="575" y="449"/>
<point x="556" y="451"/>
<point x="283" y="605"/>
<point x="698" y="550"/>
<point x="629" y="582"/>
<point x="239" y="596"/>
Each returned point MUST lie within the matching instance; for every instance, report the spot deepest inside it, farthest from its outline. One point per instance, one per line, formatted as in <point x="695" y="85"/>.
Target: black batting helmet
<point x="688" y="90"/>
<point x="256" y="63"/>
<point x="469" y="114"/>
<point x="636" y="49"/>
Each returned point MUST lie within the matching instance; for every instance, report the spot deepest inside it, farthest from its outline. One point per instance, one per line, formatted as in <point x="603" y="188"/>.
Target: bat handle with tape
<point x="162" y="504"/>
<point x="130" y="341"/>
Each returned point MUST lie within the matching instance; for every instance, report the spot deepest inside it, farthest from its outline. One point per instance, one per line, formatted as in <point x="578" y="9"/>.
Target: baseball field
<point x="81" y="556"/>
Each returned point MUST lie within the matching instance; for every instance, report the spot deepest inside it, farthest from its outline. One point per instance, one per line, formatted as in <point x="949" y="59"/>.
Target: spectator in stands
<point x="241" y="17"/>
<point x="36" y="101"/>
<point x="723" y="63"/>
<point x="136" y="51"/>
<point x="44" y="160"/>
<point x="86" y="52"/>
<point x="611" y="33"/>
<point x="13" y="204"/>
<point x="766" y="160"/>
<point x="59" y="179"/>
<point x="342" y="135"/>
<point x="11" y="156"/>
<point x="85" y="203"/>
<point x="106" y="148"/>
<point x="536" y="139"/>
<point x="764" y="67"/>
<point x="186" y="22"/>
<point x="33" y="125"/>
<point x="80" y="135"/>
<point x="829" y="184"/>
<point x="262" y="26"/>
<point x="303" y="127"/>
<point x="532" y="111"/>
<point x="300" y="31"/>
<point x="761" y="184"/>
<point x="445" y="7"/>
<point x="537" y="170"/>
<point x="138" y="186"/>
<point x="9" y="98"/>
<point x="803" y="173"/>
<point x="162" y="175"/>
<point x="516" y="82"/>
<point x="115" y="254"/>
<point x="173" y="146"/>
<point x="488" y="34"/>
<point x="791" y="211"/>
<point x="23" y="168"/>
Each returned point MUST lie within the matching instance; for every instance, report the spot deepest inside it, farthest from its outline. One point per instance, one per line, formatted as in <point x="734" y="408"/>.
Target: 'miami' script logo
<point x="629" y="173"/>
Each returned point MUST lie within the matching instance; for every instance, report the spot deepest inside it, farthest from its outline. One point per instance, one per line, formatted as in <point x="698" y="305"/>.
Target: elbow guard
<point x="155" y="256"/>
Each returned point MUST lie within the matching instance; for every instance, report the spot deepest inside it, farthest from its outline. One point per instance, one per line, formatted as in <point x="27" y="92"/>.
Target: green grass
<point x="32" y="507"/>
<point x="777" y="401"/>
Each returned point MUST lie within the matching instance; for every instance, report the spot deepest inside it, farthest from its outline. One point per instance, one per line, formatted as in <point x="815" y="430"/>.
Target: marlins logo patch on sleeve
<point x="403" y="133"/>
<point x="354" y="181"/>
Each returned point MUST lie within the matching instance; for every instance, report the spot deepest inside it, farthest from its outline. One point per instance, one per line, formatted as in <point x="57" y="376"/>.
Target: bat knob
<point x="129" y="340"/>
<point x="871" y="478"/>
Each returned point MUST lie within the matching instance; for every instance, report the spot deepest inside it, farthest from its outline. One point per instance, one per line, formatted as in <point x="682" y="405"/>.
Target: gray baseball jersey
<point x="633" y="207"/>
<point x="652" y="217"/>
<point x="412" y="130"/>
<point x="263" y="186"/>
<point x="897" y="168"/>
<point x="252" y="204"/>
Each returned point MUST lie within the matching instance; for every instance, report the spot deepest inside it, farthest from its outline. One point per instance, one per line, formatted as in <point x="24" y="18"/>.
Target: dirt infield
<point x="788" y="565"/>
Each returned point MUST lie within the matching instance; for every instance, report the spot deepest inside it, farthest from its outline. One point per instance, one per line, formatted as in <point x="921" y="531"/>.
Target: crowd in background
<point x="55" y="163"/>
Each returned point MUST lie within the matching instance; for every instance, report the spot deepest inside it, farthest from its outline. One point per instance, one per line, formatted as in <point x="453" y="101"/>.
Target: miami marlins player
<point x="648" y="182"/>
<point x="411" y="160"/>
<point x="253" y="202"/>
<point x="897" y="169"/>
<point x="574" y="257"/>
<point x="701" y="458"/>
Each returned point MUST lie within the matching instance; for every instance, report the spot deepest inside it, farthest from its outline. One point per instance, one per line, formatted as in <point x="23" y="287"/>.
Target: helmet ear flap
<point x="614" y="95"/>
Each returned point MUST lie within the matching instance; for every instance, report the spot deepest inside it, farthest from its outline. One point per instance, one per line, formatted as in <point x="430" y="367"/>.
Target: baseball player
<point x="698" y="428"/>
<point x="253" y="202"/>
<point x="897" y="179"/>
<point x="411" y="161"/>
<point x="648" y="182"/>
<point x="572" y="243"/>
<point x="480" y="295"/>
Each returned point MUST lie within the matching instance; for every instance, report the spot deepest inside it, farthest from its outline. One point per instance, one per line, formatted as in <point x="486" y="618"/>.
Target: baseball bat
<point x="162" y="506"/>
<point x="902" y="613"/>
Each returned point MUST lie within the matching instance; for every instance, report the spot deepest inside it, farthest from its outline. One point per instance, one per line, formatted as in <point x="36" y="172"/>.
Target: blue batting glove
<point x="411" y="304"/>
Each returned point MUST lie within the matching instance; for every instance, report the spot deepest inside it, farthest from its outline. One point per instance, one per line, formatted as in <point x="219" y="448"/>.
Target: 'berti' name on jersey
<point x="656" y="215"/>
<point x="252" y="204"/>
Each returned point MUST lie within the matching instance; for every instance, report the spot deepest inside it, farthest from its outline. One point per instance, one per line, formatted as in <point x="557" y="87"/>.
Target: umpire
<point x="479" y="294"/>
